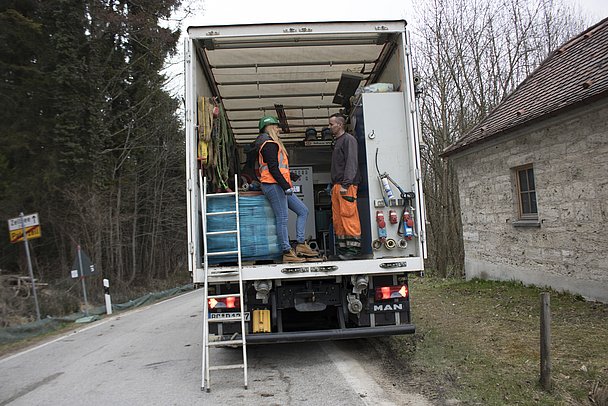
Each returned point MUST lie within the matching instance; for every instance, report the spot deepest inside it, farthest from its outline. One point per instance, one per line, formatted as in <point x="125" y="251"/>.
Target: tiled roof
<point x="575" y="73"/>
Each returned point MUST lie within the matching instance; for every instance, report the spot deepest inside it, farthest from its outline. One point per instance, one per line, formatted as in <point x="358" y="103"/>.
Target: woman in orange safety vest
<point x="276" y="184"/>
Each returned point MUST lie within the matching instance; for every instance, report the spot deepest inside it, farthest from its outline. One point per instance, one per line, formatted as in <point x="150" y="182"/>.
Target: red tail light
<point x="391" y="292"/>
<point x="225" y="303"/>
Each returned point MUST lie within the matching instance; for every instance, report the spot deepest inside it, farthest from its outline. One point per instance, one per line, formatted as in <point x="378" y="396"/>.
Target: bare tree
<point x="471" y="55"/>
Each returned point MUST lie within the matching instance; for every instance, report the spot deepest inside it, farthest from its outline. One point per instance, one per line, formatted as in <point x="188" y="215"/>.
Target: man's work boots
<point x="291" y="257"/>
<point x="304" y="250"/>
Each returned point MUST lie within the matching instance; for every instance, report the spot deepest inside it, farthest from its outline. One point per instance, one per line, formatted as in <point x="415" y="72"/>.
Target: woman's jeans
<point x="280" y="202"/>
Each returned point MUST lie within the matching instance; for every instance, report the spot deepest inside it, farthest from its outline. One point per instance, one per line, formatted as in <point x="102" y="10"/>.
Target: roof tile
<point x="574" y="73"/>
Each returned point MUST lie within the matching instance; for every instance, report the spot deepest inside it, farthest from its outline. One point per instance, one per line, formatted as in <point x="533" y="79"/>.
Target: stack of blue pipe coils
<point x="258" y="230"/>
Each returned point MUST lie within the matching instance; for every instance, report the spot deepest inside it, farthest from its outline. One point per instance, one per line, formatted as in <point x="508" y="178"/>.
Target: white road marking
<point x="363" y="384"/>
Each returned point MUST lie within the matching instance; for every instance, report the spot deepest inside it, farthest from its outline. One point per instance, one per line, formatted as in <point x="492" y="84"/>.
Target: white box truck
<point x="302" y="73"/>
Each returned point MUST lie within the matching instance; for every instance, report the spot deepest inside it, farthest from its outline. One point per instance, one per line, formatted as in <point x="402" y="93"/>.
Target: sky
<point x="248" y="11"/>
<point x="260" y="11"/>
<point x="597" y="9"/>
<point x="221" y="12"/>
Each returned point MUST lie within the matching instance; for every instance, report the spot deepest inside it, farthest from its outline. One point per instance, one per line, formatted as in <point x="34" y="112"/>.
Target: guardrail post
<point x="106" y="291"/>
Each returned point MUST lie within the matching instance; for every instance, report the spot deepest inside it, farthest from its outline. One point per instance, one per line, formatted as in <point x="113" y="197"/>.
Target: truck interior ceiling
<point x="302" y="80"/>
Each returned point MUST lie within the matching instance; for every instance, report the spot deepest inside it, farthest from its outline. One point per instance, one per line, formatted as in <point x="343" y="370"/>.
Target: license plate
<point x="228" y="316"/>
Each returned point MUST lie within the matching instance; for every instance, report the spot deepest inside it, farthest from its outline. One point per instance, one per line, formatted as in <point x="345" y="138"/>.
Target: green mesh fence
<point x="49" y="324"/>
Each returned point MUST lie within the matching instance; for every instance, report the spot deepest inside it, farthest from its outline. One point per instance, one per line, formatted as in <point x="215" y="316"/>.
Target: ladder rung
<point x="221" y="194"/>
<point x="222" y="232"/>
<point x="220" y="320"/>
<point x="226" y="342"/>
<point x="222" y="296"/>
<point x="219" y="367"/>
<point x="221" y="213"/>
<point x="213" y="254"/>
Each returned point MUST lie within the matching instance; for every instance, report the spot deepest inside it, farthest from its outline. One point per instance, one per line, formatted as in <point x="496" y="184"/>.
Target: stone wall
<point x="569" y="251"/>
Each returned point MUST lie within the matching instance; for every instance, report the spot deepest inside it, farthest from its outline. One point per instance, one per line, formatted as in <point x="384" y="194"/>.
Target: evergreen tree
<point x="90" y="139"/>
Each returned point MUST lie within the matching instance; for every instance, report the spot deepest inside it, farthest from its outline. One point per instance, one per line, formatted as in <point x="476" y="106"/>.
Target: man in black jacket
<point x="345" y="180"/>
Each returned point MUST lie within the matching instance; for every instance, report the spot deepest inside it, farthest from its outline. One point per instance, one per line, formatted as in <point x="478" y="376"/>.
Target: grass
<point x="62" y="301"/>
<point x="8" y="348"/>
<point x="479" y="342"/>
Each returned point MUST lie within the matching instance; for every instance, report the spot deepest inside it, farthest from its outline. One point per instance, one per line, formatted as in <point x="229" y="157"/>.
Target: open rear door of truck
<point x="294" y="71"/>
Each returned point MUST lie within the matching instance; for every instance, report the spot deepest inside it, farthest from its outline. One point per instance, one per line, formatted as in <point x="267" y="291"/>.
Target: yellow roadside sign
<point x="32" y="232"/>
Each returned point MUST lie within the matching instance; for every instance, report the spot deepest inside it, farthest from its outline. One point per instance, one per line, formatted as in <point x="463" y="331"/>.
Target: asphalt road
<point x="152" y="356"/>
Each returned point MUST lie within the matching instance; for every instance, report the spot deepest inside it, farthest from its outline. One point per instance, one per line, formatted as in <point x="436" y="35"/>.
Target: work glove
<point x="289" y="191"/>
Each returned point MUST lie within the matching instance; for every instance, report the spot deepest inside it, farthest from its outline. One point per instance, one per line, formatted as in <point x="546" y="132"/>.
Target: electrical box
<point x="386" y="159"/>
<point x="303" y="188"/>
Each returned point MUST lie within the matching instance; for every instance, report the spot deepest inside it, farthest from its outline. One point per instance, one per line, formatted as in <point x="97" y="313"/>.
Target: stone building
<point x="533" y="176"/>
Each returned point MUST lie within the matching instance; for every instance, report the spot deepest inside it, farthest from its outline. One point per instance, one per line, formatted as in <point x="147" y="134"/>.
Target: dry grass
<point x="59" y="300"/>
<point x="478" y="342"/>
<point x="9" y="348"/>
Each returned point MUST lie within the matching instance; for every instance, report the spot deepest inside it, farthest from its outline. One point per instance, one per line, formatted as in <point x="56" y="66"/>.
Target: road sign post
<point x="29" y="267"/>
<point x="18" y="230"/>
<point x="84" y="289"/>
<point x="83" y="267"/>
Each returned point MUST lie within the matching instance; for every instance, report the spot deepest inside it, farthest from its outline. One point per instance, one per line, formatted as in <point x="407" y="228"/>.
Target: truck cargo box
<point x="302" y="73"/>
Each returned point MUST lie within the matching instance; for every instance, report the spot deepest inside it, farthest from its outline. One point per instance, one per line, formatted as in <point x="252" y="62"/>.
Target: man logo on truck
<point x="388" y="307"/>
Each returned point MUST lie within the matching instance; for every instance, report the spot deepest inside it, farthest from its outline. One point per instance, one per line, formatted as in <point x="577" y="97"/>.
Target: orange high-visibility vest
<point x="265" y="176"/>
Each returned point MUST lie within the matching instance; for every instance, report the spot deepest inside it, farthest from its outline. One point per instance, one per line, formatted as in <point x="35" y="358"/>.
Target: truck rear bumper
<point x="328" y="335"/>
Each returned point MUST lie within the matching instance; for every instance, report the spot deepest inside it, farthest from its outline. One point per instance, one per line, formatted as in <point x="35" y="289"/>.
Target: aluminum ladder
<point x="206" y="368"/>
